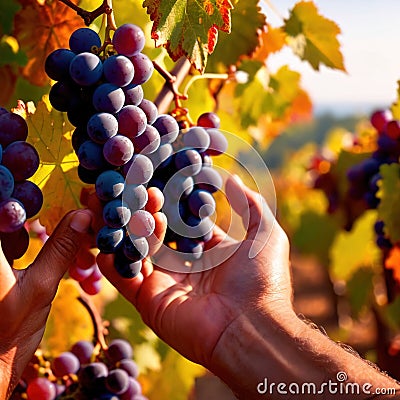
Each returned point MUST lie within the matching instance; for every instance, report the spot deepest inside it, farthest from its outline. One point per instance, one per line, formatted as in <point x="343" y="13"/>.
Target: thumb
<point x="57" y="254"/>
<point x="258" y="219"/>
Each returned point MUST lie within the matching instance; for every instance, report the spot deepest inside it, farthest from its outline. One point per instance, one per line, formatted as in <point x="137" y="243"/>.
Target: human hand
<point x="26" y="296"/>
<point x="191" y="311"/>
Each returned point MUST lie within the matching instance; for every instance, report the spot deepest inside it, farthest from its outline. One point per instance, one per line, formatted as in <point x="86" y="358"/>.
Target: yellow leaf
<point x="271" y="41"/>
<point x="314" y="37"/>
<point x="35" y="245"/>
<point x="50" y="133"/>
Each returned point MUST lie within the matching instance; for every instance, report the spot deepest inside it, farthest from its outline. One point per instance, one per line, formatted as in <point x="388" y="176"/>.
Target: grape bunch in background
<point x="103" y="99"/>
<point x="20" y="198"/>
<point x="183" y="172"/>
<point x="83" y="373"/>
<point x="364" y="177"/>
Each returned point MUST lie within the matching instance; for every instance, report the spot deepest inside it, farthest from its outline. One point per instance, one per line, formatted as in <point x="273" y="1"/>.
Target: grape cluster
<point x="20" y="198"/>
<point x="83" y="374"/>
<point x="184" y="174"/>
<point x="114" y="133"/>
<point x="364" y="177"/>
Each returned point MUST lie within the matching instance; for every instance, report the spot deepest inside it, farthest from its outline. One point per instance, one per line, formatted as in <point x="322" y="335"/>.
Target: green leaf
<point x="389" y="193"/>
<point x="50" y="133"/>
<point x="360" y="290"/>
<point x="313" y="37"/>
<point x="8" y="8"/>
<point x="10" y="52"/>
<point x="188" y="28"/>
<point x="315" y="234"/>
<point x="356" y="249"/>
<point x="248" y="22"/>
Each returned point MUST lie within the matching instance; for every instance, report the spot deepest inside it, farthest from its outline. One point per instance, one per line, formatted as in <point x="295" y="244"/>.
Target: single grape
<point x="41" y="389"/>
<point x="12" y="215"/>
<point x="188" y="162"/>
<point x="393" y="129"/>
<point x="162" y="157"/>
<point x="143" y="68"/>
<point x="118" y="350"/>
<point x="208" y="179"/>
<point x="14" y="244"/>
<point x="126" y="268"/>
<point x="193" y="249"/>
<point x="209" y="120"/>
<point x="118" y="150"/>
<point x="89" y="374"/>
<point x="86" y="69"/>
<point x="30" y="195"/>
<point x="83" y="40"/>
<point x="128" y="40"/>
<point x="197" y="138"/>
<point x="133" y="391"/>
<point x="88" y="176"/>
<point x="64" y="364"/>
<point x="117" y="381"/>
<point x="179" y="185"/>
<point x="109" y="185"/>
<point x="90" y="155"/>
<point x="22" y="159"/>
<point x="132" y="121"/>
<point x="116" y="213"/>
<point x="108" y="98"/>
<point x="167" y="127"/>
<point x="101" y="127"/>
<point x="218" y="143"/>
<point x="141" y="224"/>
<point x="138" y="170"/>
<point x="133" y="94"/>
<point x="147" y="142"/>
<point x="135" y="248"/>
<point x="118" y="70"/>
<point x="64" y="95"/>
<point x="12" y="128"/>
<point x="57" y="64"/>
<point x="109" y="239"/>
<point x="201" y="203"/>
<point x="6" y="183"/>
<point x="135" y="196"/>
<point x="129" y="366"/>
<point x="380" y="118"/>
<point x="150" y="109"/>
<point x="83" y="350"/>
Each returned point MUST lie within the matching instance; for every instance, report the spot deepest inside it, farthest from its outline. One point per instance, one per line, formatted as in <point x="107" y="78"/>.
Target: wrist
<point x="259" y="357"/>
<point x="5" y="375"/>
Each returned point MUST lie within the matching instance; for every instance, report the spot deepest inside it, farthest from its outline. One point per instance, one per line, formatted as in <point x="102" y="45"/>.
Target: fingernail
<point x="80" y="222"/>
<point x="238" y="180"/>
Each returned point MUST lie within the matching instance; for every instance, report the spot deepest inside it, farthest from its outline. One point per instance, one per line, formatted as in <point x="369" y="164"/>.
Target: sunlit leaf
<point x="68" y="321"/>
<point x="248" y="22"/>
<point x="356" y="249"/>
<point x="271" y="41"/>
<point x="35" y="245"/>
<point x="389" y="193"/>
<point x="393" y="262"/>
<point x="40" y="29"/>
<point x="189" y="28"/>
<point x="314" y="37"/>
<point x="50" y="133"/>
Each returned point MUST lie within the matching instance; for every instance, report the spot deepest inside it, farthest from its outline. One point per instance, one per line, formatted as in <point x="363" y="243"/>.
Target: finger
<point x="44" y="274"/>
<point x="257" y="217"/>
<point x="156" y="239"/>
<point x="155" y="201"/>
<point x="127" y="287"/>
<point x="7" y="277"/>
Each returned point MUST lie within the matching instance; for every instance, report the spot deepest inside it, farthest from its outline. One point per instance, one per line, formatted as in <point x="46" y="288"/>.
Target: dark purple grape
<point x="208" y="179"/>
<point x="86" y="69"/>
<point x="79" y="136"/>
<point x="30" y="195"/>
<point x="118" y="70"/>
<point x="128" y="40"/>
<point x="90" y="155"/>
<point x="167" y="127"/>
<point x="150" y="109"/>
<point x="108" y="98"/>
<point x="116" y="213"/>
<point x="65" y="364"/>
<point x="83" y="350"/>
<point x="12" y="215"/>
<point x="101" y="127"/>
<point x="14" y="244"/>
<point x="6" y="183"/>
<point x="138" y="170"/>
<point x="89" y="374"/>
<point x="188" y="162"/>
<point x="218" y="143"/>
<point x="179" y="185"/>
<point x="57" y="64"/>
<point x="132" y="121"/>
<point x="135" y="196"/>
<point x="143" y="68"/>
<point x="118" y="350"/>
<point x="109" y="185"/>
<point x="129" y="366"/>
<point x="133" y="392"/>
<point x="193" y="249"/>
<point x="162" y="157"/>
<point x="148" y="141"/>
<point x="12" y="128"/>
<point x="118" y="150"/>
<point x="197" y="138"/>
<point x="83" y="40"/>
<point x="22" y="159"/>
<point x="135" y="248"/>
<point x="133" y="94"/>
<point x="109" y="239"/>
<point x="88" y="176"/>
<point x="125" y="267"/>
<point x="117" y="381"/>
<point x="201" y="203"/>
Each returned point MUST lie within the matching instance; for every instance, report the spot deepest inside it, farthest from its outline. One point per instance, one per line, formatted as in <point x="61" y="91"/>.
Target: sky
<point x="370" y="42"/>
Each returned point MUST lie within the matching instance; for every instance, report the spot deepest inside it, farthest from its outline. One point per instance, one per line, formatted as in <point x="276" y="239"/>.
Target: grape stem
<point x="204" y="76"/>
<point x="99" y="329"/>
<point x="90" y="16"/>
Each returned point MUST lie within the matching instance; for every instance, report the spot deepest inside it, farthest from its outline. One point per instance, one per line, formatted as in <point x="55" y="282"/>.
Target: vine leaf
<point x="393" y="262"/>
<point x="40" y="28"/>
<point x="50" y="133"/>
<point x="189" y="28"/>
<point x="389" y="194"/>
<point x="271" y="41"/>
<point x="313" y="37"/>
<point x="248" y="23"/>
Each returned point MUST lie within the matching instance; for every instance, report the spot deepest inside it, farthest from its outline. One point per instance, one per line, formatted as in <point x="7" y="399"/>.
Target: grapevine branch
<point x="97" y="322"/>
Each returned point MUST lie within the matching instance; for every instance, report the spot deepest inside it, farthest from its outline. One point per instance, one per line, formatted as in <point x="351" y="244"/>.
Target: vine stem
<point x="204" y="76"/>
<point x="173" y="80"/>
<point x="98" y="325"/>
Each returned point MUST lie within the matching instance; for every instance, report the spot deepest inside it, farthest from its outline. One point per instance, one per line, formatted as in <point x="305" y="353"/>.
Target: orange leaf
<point x="393" y="262"/>
<point x="271" y="41"/>
<point x="301" y="108"/>
<point x="40" y="29"/>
